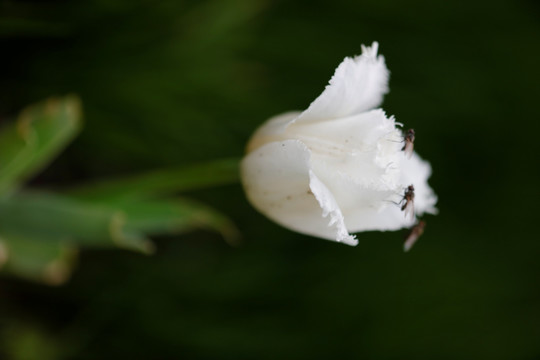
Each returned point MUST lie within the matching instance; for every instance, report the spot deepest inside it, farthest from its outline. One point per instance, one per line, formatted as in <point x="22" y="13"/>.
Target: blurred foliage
<point x="159" y="182"/>
<point x="40" y="232"/>
<point x="37" y="136"/>
<point x="168" y="84"/>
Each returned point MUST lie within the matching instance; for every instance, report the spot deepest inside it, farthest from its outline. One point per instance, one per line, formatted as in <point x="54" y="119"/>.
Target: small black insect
<point x="408" y="202"/>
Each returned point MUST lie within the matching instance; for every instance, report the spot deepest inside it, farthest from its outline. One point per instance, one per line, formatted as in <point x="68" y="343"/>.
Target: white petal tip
<point x="371" y="51"/>
<point x="348" y="240"/>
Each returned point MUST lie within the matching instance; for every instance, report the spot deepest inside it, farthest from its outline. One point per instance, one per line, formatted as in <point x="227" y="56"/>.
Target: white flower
<point x="338" y="167"/>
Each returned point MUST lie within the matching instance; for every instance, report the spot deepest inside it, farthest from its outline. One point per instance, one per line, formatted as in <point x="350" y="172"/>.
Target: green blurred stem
<point x="161" y="182"/>
<point x="30" y="27"/>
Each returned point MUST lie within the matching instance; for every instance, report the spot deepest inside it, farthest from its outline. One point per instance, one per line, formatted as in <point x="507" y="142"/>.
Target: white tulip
<point x="338" y="167"/>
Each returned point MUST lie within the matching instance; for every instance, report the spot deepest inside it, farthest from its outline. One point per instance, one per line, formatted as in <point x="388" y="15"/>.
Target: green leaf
<point x="154" y="217"/>
<point x="40" y="233"/>
<point x="45" y="216"/>
<point x="40" y="133"/>
<point x="200" y="176"/>
<point x="43" y="259"/>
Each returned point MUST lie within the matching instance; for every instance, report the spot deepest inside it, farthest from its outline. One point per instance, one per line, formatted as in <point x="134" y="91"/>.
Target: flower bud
<point x="338" y="167"/>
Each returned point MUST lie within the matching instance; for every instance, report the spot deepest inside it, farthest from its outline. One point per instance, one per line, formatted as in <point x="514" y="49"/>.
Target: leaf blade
<point x="39" y="134"/>
<point x="40" y="233"/>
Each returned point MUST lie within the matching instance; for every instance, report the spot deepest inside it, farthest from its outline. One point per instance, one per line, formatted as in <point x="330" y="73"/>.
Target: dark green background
<point x="167" y="83"/>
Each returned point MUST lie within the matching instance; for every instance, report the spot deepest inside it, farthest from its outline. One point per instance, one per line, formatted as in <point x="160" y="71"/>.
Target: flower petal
<point x="362" y="148"/>
<point x="279" y="183"/>
<point x="389" y="215"/>
<point x="357" y="158"/>
<point x="272" y="130"/>
<point x="358" y="84"/>
<point x="331" y="208"/>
